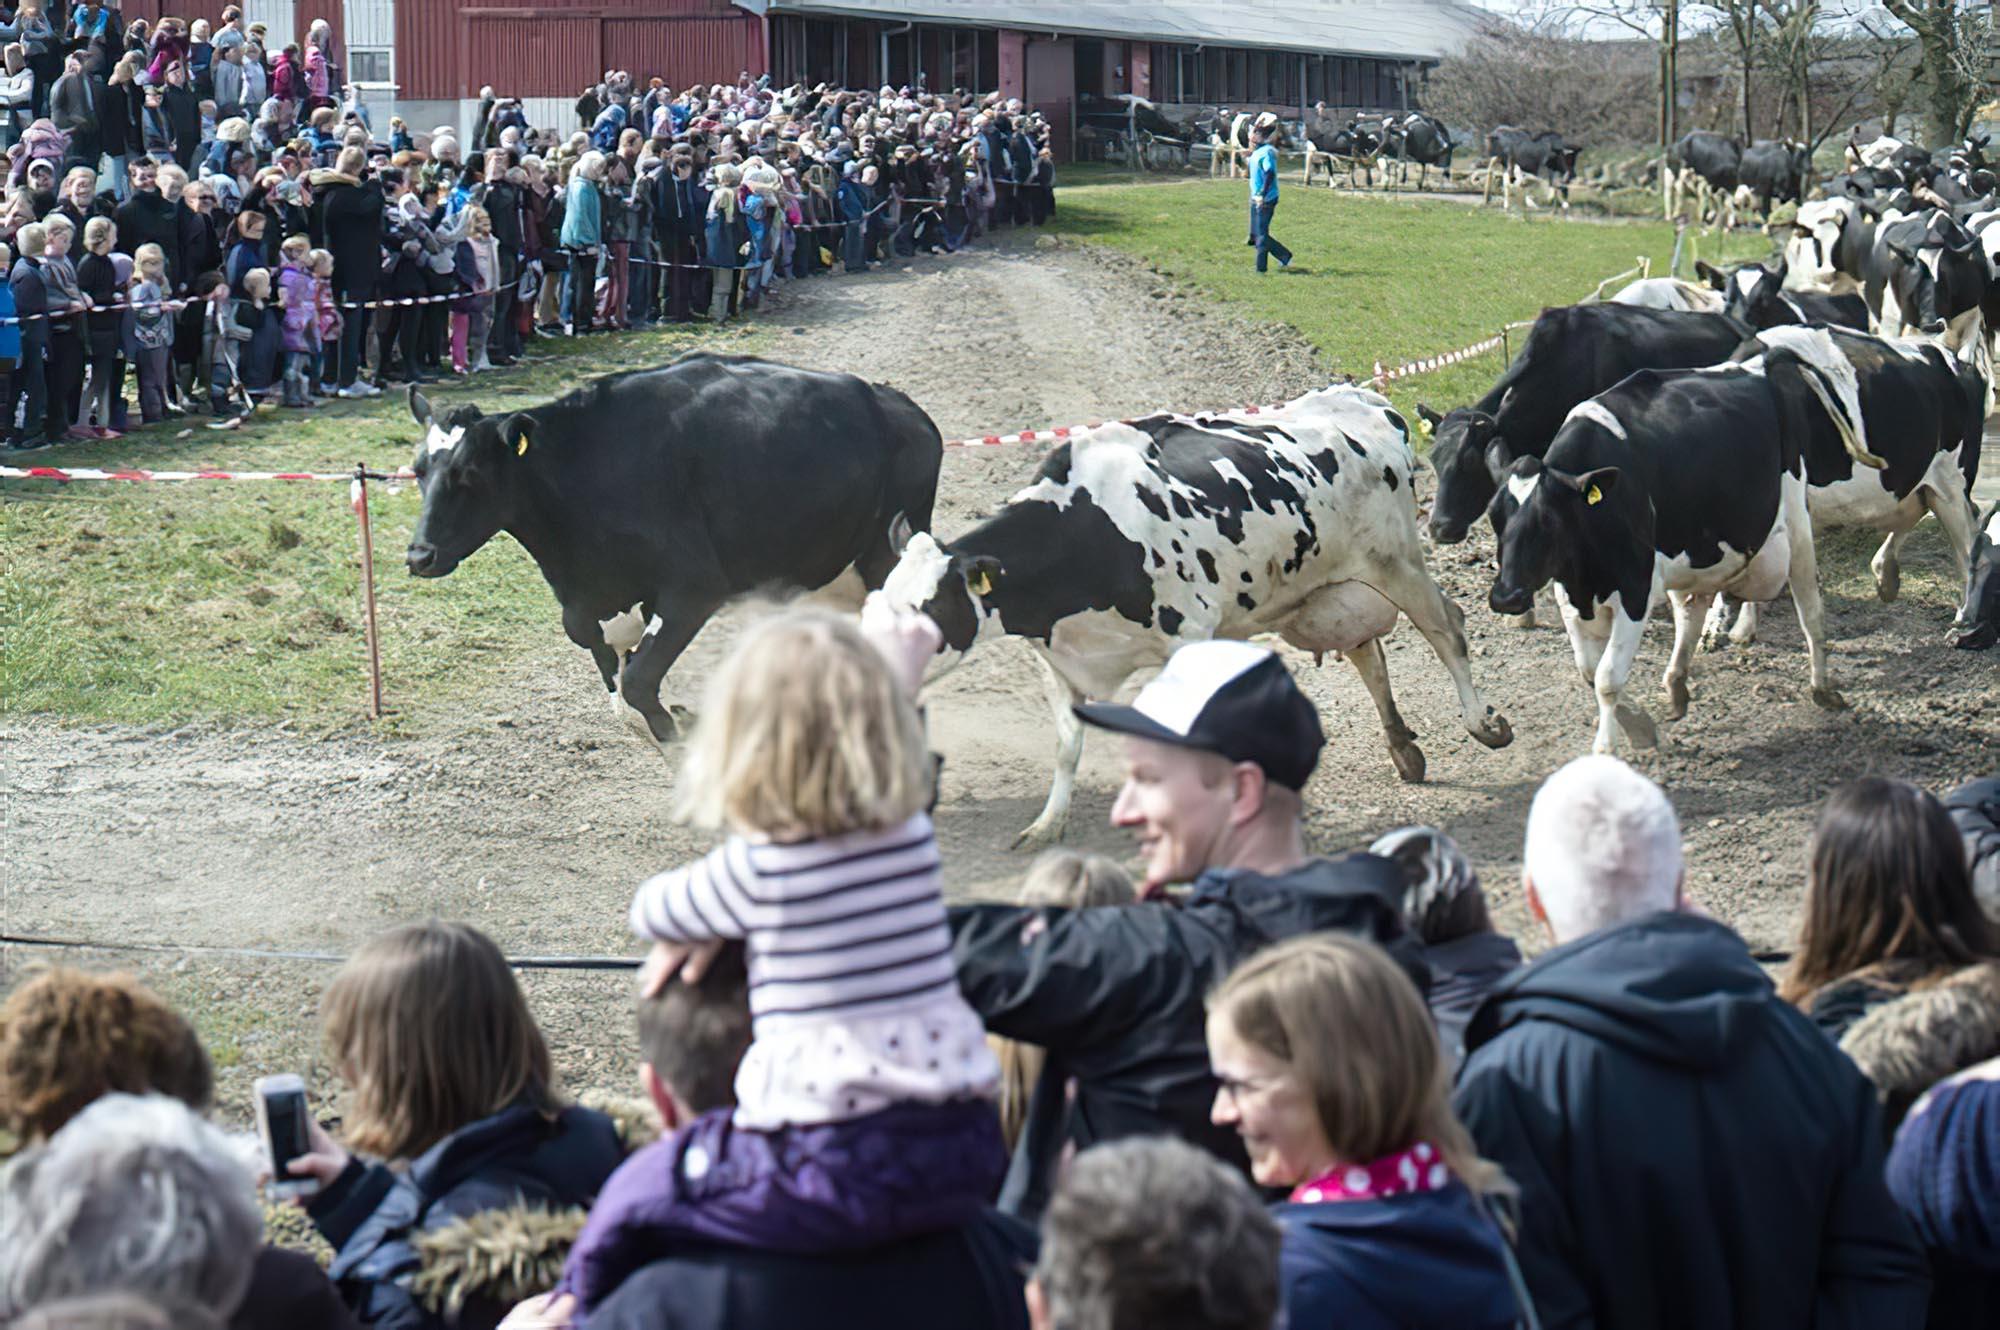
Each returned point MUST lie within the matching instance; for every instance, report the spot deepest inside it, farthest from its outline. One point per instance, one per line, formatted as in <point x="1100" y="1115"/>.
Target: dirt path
<point x="532" y="814"/>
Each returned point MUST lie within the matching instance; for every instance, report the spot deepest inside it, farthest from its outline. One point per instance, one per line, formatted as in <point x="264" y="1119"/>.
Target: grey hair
<point x="1436" y="876"/>
<point x="138" y="1194"/>
<point x="1603" y="846"/>
<point x="1154" y="1232"/>
<point x="117" y="1311"/>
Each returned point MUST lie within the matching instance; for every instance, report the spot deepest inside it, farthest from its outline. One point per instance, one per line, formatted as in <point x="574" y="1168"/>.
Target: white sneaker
<point x="367" y="389"/>
<point x="355" y="389"/>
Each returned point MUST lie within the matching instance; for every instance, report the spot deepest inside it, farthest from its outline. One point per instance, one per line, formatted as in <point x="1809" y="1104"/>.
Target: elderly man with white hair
<point x="1690" y="1150"/>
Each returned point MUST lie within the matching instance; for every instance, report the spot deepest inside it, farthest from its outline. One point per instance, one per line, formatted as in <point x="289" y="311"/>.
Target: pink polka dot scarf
<point x="1417" y="1169"/>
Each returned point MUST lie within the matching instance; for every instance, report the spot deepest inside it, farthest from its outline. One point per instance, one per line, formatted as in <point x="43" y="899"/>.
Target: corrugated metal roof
<point x="1422" y="29"/>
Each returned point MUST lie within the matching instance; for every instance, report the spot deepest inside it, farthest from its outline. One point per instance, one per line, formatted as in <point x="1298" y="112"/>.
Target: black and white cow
<point x="1425" y="140"/>
<point x="1670" y="293"/>
<point x="1571" y="353"/>
<point x="1682" y="482"/>
<point x="1917" y="408"/>
<point x="1775" y="171"/>
<point x="1144" y="535"/>
<point x="1926" y="275"/>
<point x="1757" y="296"/>
<point x="1833" y="242"/>
<point x="1978" y="624"/>
<point x="651" y="499"/>
<point x="1545" y="155"/>
<point x="1705" y="161"/>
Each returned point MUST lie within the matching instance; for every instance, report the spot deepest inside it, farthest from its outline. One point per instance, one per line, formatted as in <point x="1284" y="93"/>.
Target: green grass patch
<point x="1377" y="278"/>
<point x="170" y="603"/>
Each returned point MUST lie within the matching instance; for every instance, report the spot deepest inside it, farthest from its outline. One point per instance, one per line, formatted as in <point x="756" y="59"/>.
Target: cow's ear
<point x="1499" y="458"/>
<point x="1709" y="273"/>
<point x="1902" y="251"/>
<point x="899" y="532"/>
<point x="517" y="432"/>
<point x="981" y="572"/>
<point x="1594" y="485"/>
<point x="1430" y="416"/>
<point x="420" y="406"/>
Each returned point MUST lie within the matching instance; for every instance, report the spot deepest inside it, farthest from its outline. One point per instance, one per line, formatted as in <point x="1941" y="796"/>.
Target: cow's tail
<point x="1829" y="401"/>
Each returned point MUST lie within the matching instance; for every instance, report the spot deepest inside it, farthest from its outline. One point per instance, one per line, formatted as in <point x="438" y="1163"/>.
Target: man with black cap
<point x="1217" y="750"/>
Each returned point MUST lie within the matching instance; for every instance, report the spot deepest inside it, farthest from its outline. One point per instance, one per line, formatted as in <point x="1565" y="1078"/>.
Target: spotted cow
<point x="1756" y="295"/>
<point x="1141" y="536"/>
<point x="651" y="499"/>
<point x="1685" y="483"/>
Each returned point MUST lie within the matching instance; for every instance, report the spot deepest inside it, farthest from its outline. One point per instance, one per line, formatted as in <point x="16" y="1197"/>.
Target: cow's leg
<point x="1716" y="632"/>
<point x="1062" y="696"/>
<point x="1373" y="667"/>
<point x="1805" y="594"/>
<point x="672" y="627"/>
<point x="1408" y="586"/>
<point x="1888" y="568"/>
<point x="1944" y="495"/>
<point x="1690" y="609"/>
<point x="1614" y="670"/>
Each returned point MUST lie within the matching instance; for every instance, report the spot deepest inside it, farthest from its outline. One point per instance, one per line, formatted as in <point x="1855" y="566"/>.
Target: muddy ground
<point x="533" y="814"/>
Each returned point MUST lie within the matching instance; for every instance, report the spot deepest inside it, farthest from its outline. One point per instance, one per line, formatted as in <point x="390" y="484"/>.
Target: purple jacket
<point x="301" y="312"/>
<point x="911" y="1168"/>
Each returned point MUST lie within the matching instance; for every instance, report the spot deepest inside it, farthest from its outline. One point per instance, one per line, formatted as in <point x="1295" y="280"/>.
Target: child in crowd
<point x="152" y="330"/>
<point x="326" y="323"/>
<point x="97" y="278"/>
<point x="234" y="322"/>
<point x="478" y="269"/>
<point x="10" y="340"/>
<point x="301" y="318"/>
<point x="864" y="1107"/>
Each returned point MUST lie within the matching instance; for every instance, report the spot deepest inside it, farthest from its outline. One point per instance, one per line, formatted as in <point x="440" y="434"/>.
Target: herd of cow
<point x="1627" y="455"/>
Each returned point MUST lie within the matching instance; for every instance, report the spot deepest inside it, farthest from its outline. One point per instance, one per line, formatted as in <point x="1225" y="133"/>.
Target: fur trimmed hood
<point x="1907" y="1045"/>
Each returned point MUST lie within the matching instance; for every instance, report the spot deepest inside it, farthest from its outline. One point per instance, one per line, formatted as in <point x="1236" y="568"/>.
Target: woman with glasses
<point x="1330" y="1070"/>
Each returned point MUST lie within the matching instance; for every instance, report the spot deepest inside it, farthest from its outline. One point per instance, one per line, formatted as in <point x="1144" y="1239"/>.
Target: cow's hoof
<point x="1713" y="642"/>
<point x="1829" y="699"/>
<point x="1744" y="635"/>
<point x="1038" y="835"/>
<point x="1494" y="731"/>
<point x="1526" y="620"/>
<point x="1409" y="760"/>
<point x="1638" y="726"/>
<point x="1677" y="698"/>
<point x="1888" y="583"/>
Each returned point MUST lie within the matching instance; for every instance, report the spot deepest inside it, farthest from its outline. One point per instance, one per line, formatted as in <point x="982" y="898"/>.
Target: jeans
<point x="718" y="308"/>
<point x="1267" y="244"/>
<point x="121" y="182"/>
<point x="153" y="368"/>
<point x="353" y="336"/>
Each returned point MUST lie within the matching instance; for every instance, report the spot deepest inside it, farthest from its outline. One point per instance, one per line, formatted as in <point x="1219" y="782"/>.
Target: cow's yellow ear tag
<point x="521" y="450"/>
<point x="1593" y="495"/>
<point x="980" y="584"/>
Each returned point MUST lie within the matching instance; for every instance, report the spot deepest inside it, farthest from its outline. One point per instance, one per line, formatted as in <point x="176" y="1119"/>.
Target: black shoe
<point x="26" y="443"/>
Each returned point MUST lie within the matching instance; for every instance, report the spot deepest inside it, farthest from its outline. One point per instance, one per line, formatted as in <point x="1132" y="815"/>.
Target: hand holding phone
<point x="301" y="1156"/>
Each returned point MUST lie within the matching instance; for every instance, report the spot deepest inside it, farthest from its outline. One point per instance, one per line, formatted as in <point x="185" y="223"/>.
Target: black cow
<point x="1756" y="295"/>
<point x="651" y="499"/>
<point x="1690" y="482"/>
<point x="1543" y="155"/>
<point x="1715" y="158"/>
<point x="1571" y="353"/>
<point x="1865" y="182"/>
<point x="1978" y="624"/>
<point x="1425" y="140"/>
<point x="1775" y="172"/>
<point x="1925" y="274"/>
<point x="1912" y="163"/>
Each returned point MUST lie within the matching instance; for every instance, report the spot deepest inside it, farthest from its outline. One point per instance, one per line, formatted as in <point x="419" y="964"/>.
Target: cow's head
<point x="1934" y="274"/>
<point x="1752" y="294"/>
<point x="1816" y="231"/>
<point x="466" y="465"/>
<point x="951" y="588"/>
<point x="1977" y="626"/>
<point x="1540" y="512"/>
<point x="1459" y="440"/>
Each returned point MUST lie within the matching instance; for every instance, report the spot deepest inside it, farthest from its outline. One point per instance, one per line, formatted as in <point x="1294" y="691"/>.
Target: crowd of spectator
<point x="203" y="222"/>
<point x="1260" y="1088"/>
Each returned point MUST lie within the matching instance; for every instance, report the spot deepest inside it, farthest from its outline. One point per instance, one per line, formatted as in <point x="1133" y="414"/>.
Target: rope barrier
<point x="319" y="957"/>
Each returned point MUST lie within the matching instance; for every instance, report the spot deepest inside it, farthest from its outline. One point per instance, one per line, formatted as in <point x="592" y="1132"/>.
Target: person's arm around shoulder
<point x="1499" y="1107"/>
<point x="1872" y="1272"/>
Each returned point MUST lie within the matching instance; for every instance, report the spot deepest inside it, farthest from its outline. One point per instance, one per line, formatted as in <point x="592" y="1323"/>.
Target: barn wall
<point x="427" y="62"/>
<point x="556" y="47"/>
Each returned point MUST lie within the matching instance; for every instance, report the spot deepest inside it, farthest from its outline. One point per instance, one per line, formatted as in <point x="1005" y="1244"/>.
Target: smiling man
<point x="1217" y="751"/>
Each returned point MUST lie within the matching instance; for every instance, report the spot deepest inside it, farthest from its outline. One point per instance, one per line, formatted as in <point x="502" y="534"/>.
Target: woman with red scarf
<point x="1329" y="1068"/>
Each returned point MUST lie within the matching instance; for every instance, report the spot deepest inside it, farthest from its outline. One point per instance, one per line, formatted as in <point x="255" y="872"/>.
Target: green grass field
<point x="169" y="604"/>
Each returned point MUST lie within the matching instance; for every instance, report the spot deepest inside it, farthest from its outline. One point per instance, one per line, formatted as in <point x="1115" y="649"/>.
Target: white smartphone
<point x="281" y="1124"/>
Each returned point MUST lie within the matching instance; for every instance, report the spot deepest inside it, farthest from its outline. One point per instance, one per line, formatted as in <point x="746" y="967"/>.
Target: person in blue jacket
<point x="1330" y="1070"/>
<point x="451" y="1080"/>
<point x="1264" y="200"/>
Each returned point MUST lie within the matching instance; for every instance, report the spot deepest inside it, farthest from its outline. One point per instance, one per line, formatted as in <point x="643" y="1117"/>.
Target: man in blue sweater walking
<point x="1264" y="201"/>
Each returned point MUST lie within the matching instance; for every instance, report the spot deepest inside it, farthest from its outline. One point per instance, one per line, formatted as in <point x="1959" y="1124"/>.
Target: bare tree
<point x="1539" y="80"/>
<point x="1956" y="43"/>
<point x="1743" y="23"/>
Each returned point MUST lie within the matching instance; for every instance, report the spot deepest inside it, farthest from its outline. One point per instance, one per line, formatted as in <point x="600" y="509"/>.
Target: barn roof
<point x="1417" y="29"/>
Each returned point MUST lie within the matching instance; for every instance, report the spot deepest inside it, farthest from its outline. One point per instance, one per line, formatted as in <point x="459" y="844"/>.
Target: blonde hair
<point x="59" y="221"/>
<point x="98" y="231"/>
<point x="804" y="733"/>
<point x="420" y="1068"/>
<point x="33" y="240"/>
<point x="1058" y="879"/>
<point x="591" y="166"/>
<point x="321" y="258"/>
<point x="149" y="257"/>
<point x="255" y="279"/>
<point x="478" y="221"/>
<point x="1356" y="1034"/>
<point x="296" y="247"/>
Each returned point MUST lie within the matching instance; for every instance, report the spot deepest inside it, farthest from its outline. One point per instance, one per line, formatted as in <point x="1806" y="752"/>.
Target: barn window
<point x="368" y="66"/>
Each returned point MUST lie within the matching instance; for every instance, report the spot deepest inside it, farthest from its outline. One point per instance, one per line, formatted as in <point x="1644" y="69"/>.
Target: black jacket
<point x="1975" y="807"/>
<point x="1463" y="971"/>
<point x="967" y="1279"/>
<point x="288" y="1291"/>
<point x="679" y="207"/>
<point x="373" y="1217"/>
<point x="183" y="110"/>
<point x="201" y="247"/>
<point x="347" y="222"/>
<point x="1115" y="995"/>
<point x="118" y="119"/>
<point x="1690" y="1150"/>
<point x="147" y="218"/>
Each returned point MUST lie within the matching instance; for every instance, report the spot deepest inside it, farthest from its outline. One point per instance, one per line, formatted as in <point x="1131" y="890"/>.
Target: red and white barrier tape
<point x="1430" y="364"/>
<point x="135" y="474"/>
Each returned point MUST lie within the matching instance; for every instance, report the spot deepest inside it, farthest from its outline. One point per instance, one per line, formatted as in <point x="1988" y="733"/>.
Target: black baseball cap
<point x="1229" y="698"/>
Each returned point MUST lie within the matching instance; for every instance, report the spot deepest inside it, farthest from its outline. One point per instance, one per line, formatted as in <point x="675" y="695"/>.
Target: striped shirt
<point x="851" y="923"/>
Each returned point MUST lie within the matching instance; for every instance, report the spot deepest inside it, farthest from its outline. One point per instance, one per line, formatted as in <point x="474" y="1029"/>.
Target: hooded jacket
<point x="346" y="220"/>
<point x="379" y="1222"/>
<point x="1975" y="808"/>
<point x="1421" y="1259"/>
<point x="1691" y="1151"/>
<point x="1463" y="971"/>
<point x="1116" y="996"/>
<point x="1945" y="1173"/>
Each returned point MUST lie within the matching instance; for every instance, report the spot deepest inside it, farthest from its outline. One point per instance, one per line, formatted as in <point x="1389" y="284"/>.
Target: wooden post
<point x="358" y="494"/>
